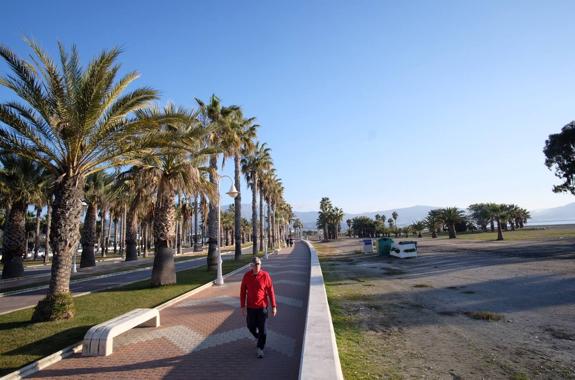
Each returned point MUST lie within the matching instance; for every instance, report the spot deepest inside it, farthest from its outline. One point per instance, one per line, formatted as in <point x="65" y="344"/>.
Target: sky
<point x="374" y="104"/>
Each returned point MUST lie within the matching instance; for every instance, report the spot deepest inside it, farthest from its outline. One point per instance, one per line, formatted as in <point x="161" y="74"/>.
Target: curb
<point x="319" y="343"/>
<point x="47" y="361"/>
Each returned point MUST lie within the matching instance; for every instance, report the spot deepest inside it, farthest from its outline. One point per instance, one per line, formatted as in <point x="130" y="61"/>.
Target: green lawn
<point x="360" y="352"/>
<point x="526" y="234"/>
<point x="22" y="342"/>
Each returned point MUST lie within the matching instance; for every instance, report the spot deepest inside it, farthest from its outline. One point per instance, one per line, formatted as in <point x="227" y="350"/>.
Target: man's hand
<point x="243" y="311"/>
<point x="274" y="311"/>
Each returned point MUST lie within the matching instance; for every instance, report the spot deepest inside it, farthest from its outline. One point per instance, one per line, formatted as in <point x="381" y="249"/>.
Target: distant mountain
<point x="554" y="215"/>
<point x="406" y="215"/>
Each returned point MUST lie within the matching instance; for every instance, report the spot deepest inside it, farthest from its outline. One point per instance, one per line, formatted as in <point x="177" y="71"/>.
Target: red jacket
<point x="258" y="288"/>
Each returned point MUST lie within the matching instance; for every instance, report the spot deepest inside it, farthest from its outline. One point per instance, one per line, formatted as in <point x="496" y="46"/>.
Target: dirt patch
<point x="411" y="318"/>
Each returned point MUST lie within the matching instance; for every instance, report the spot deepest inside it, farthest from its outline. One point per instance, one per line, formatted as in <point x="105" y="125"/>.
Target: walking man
<point x="256" y="288"/>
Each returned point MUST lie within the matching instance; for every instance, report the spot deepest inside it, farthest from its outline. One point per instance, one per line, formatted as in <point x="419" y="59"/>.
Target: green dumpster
<point x="384" y="246"/>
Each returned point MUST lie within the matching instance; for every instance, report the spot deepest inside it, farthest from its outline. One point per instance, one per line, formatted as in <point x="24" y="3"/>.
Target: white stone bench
<point x="404" y="249"/>
<point x="99" y="340"/>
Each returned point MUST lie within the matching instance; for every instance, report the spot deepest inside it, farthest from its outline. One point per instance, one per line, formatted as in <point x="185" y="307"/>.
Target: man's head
<point x="256" y="265"/>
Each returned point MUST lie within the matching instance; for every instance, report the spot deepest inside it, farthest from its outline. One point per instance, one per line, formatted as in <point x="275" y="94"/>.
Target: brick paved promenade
<point x="204" y="336"/>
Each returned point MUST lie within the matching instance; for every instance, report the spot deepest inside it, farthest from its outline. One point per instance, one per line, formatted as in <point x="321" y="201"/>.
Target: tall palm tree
<point x="215" y="117"/>
<point x="498" y="213"/>
<point x="176" y="168"/>
<point x="394" y="215"/>
<point x="74" y="121"/>
<point x="252" y="165"/>
<point x="139" y="186"/>
<point x="239" y="136"/>
<point x="451" y="216"/>
<point x="480" y="214"/>
<point x="21" y="179"/>
<point x="433" y="222"/>
<point x="94" y="191"/>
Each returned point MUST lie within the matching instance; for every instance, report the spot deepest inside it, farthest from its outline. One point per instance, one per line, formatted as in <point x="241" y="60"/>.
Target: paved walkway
<point x="204" y="336"/>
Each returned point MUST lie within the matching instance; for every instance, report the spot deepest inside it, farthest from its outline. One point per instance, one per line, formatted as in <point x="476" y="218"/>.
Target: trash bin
<point x="367" y="246"/>
<point x="384" y="246"/>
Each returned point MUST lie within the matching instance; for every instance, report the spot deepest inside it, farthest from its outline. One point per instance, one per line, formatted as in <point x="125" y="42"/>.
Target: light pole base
<point x="219" y="278"/>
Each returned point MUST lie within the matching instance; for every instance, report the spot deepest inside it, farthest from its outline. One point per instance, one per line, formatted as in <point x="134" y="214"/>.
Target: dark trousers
<point x="256" y="321"/>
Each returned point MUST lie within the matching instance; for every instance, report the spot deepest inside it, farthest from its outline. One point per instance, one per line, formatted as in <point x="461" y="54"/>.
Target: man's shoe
<point x="260" y="353"/>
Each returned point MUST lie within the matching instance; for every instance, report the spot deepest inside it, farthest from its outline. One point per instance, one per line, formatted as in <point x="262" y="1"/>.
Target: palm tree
<point x="394" y="215"/>
<point x="94" y="191"/>
<point x="238" y="138"/>
<point x="21" y="179"/>
<point x="451" y="216"/>
<point x="138" y="184"/>
<point x="252" y="165"/>
<point x="433" y="221"/>
<point x="175" y="168"/>
<point x="479" y="212"/>
<point x="498" y="213"/>
<point x="74" y="122"/>
<point x="216" y="117"/>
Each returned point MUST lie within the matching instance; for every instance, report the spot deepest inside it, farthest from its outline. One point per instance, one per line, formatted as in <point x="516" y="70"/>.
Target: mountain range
<point x="407" y="215"/>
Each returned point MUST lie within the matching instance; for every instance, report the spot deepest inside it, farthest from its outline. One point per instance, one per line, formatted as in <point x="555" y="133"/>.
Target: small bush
<point x="484" y="315"/>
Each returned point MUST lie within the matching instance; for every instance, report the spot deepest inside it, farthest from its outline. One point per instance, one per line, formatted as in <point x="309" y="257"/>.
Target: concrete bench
<point x="99" y="340"/>
<point x="404" y="249"/>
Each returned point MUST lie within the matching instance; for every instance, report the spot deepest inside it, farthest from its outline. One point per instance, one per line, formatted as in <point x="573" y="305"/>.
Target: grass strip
<point x="359" y="355"/>
<point x="22" y="342"/>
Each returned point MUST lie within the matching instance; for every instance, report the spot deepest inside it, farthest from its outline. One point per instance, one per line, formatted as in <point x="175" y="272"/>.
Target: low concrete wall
<point x="319" y="357"/>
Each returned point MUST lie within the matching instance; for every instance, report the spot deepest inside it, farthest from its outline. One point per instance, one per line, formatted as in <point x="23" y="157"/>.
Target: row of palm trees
<point x="329" y="219"/>
<point x="479" y="216"/>
<point x="70" y="126"/>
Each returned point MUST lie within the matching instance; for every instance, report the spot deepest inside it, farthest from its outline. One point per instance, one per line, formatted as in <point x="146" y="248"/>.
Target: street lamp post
<point x="232" y="193"/>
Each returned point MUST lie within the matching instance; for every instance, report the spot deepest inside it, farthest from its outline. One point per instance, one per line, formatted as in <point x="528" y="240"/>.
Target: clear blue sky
<point x="376" y="104"/>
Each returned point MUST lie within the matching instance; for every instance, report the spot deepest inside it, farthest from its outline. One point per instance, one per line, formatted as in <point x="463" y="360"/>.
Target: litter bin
<point x="367" y="246"/>
<point x="384" y="246"/>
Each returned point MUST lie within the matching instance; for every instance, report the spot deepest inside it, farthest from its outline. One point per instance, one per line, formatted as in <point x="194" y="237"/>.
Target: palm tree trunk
<point x="14" y="248"/>
<point x="88" y="258"/>
<point x="145" y="239"/>
<point x="48" y="227"/>
<point x="103" y="232"/>
<point x="254" y="214"/>
<point x="123" y="239"/>
<point x="197" y="246"/>
<point x="37" y="233"/>
<point x="108" y="233"/>
<point x="64" y="238"/>
<point x="499" y="230"/>
<point x="164" y="269"/>
<point x="132" y="230"/>
<point x="213" y="233"/>
<point x="238" y="209"/>
<point x="451" y="230"/>
<point x="261" y="220"/>
<point x="269" y="226"/>
<point x="115" y="235"/>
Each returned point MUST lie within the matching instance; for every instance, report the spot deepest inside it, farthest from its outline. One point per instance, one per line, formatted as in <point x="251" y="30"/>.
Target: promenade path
<point x="204" y="336"/>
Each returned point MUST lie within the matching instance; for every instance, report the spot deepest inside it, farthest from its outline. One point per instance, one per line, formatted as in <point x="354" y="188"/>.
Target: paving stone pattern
<point x="204" y="336"/>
